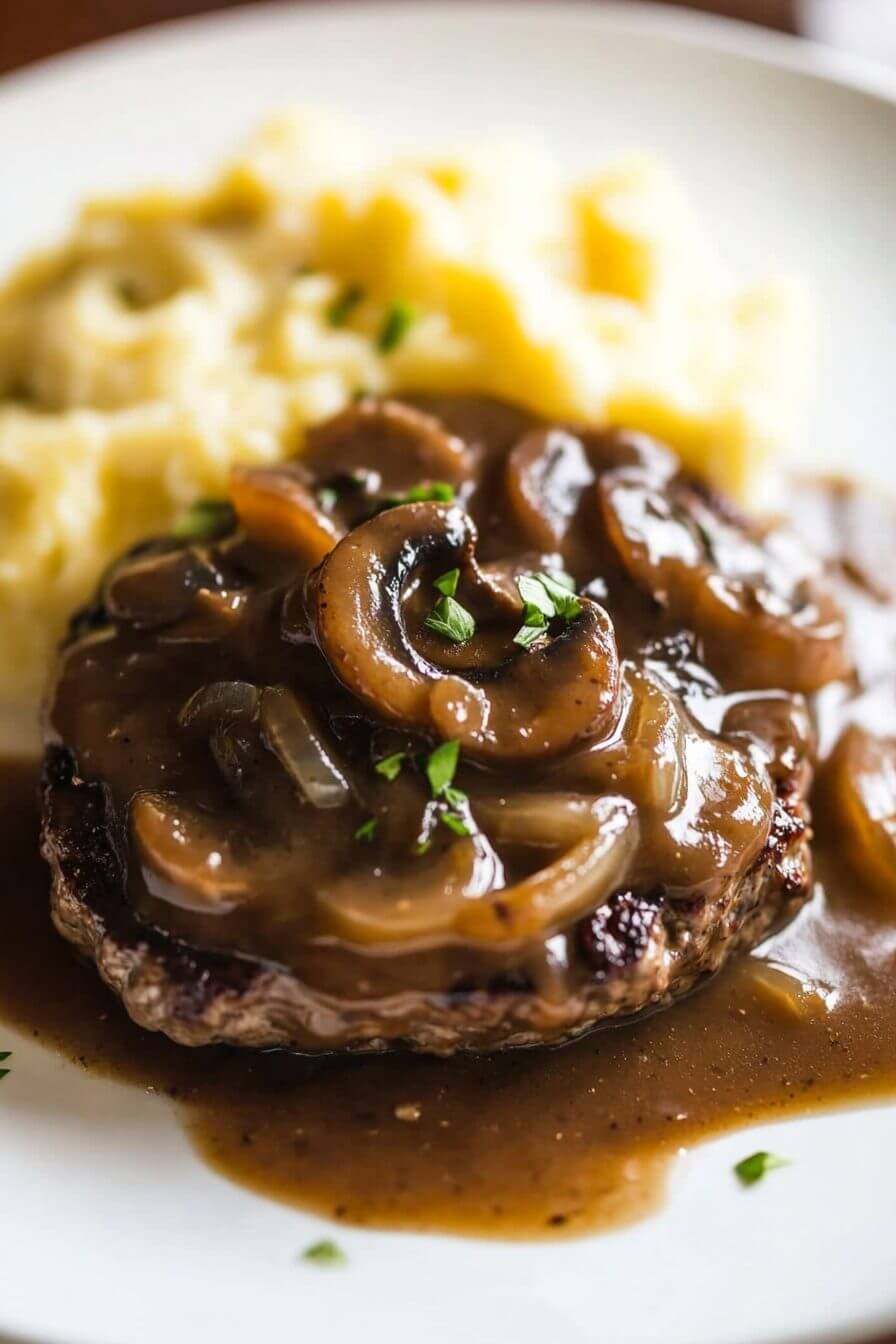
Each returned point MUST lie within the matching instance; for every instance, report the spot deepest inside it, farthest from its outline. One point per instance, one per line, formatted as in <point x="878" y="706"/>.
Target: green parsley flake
<point x="534" y="594"/>
<point x="390" y="766"/>
<point x="426" y="492"/>
<point x="449" y="619"/>
<point x="456" y="797"/>
<point x="754" y="1167"/>
<point x="440" y="492"/>
<point x="342" y="307"/>
<point x="441" y="766"/>
<point x="456" y="823"/>
<point x="206" y="520"/>
<point x="396" y="325"/>
<point x="533" y="626"/>
<point x="327" y="498"/>
<point x="526" y="636"/>
<point x="366" y="830"/>
<point x="325" y="1253"/>
<point x="560" y="588"/>
<point x="447" y="583"/>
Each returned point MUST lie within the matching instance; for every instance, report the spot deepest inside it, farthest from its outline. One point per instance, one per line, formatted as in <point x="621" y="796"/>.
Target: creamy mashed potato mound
<point x="172" y="334"/>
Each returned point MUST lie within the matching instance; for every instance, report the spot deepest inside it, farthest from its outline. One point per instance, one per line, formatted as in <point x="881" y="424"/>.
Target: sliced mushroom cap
<point x="541" y="700"/>
<point x="401" y="444"/>
<point x="154" y="585"/>
<point x="354" y="603"/>
<point x="538" y="701"/>
<point x="766" y="618"/>
<point x="859" y="790"/>
<point x="277" y="508"/>
<point x="549" y="478"/>
<point x="599" y="837"/>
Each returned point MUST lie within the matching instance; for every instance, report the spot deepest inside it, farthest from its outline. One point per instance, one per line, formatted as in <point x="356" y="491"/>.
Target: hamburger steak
<point x="462" y="731"/>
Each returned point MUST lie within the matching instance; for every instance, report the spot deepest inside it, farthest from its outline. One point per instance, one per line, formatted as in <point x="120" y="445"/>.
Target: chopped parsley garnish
<point x="447" y="583"/>
<point x="396" y="325"/>
<point x="366" y="830"/>
<point x="206" y="520"/>
<point x="440" y="492"/>
<point x="534" y="594"/>
<point x="544" y="598"/>
<point x="342" y="307"/>
<point x="345" y="483"/>
<point x="426" y="492"/>
<point x="533" y="626"/>
<point x="390" y="766"/>
<point x="560" y="588"/>
<point x="449" y="619"/>
<point x="325" y="1253"/>
<point x="456" y="823"/>
<point x="4" y="1056"/>
<point x="441" y="766"/>
<point x="754" y="1167"/>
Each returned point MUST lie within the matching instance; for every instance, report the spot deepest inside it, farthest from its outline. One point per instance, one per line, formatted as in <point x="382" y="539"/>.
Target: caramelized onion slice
<point x="218" y="704"/>
<point x="290" y="731"/>
<point x="276" y="507"/>
<point x="599" y="836"/>
<point x="421" y="902"/>
<point x="859" y="784"/>
<point x="538" y="701"/>
<point x="761" y="605"/>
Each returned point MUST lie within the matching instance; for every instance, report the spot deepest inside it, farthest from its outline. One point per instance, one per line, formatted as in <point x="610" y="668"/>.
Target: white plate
<point x="114" y="1232"/>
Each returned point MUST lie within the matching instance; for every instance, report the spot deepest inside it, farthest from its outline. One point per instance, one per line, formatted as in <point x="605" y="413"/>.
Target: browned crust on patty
<point x="199" y="997"/>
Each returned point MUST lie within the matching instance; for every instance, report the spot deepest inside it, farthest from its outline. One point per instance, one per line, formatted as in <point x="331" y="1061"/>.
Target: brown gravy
<point x="540" y="1143"/>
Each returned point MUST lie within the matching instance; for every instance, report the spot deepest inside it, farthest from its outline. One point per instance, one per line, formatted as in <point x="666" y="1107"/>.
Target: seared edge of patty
<point x="644" y="956"/>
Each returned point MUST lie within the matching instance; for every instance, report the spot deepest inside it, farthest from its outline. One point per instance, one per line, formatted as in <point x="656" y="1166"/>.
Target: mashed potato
<point x="173" y="334"/>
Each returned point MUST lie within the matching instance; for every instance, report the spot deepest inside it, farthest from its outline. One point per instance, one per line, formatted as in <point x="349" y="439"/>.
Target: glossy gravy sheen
<point x="530" y="1143"/>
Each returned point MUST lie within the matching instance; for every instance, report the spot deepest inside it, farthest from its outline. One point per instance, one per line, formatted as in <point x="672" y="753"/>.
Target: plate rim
<point x="684" y="28"/>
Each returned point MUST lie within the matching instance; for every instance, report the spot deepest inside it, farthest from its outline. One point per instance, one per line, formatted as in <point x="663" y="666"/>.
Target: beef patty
<point x="463" y="731"/>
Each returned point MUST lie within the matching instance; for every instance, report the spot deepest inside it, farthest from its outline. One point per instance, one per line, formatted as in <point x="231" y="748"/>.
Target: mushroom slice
<point x="760" y="604"/>
<point x="422" y="902"/>
<point x="354" y="604"/>
<point x="277" y="508"/>
<point x="550" y="471"/>
<point x="599" y="837"/>
<point x="190" y="852"/>
<point x="540" y="701"/>
<point x="546" y="473"/>
<point x="402" y="443"/>
<point x="291" y="733"/>
<point x="537" y="701"/>
<point x="859" y="782"/>
<point x="155" y="584"/>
